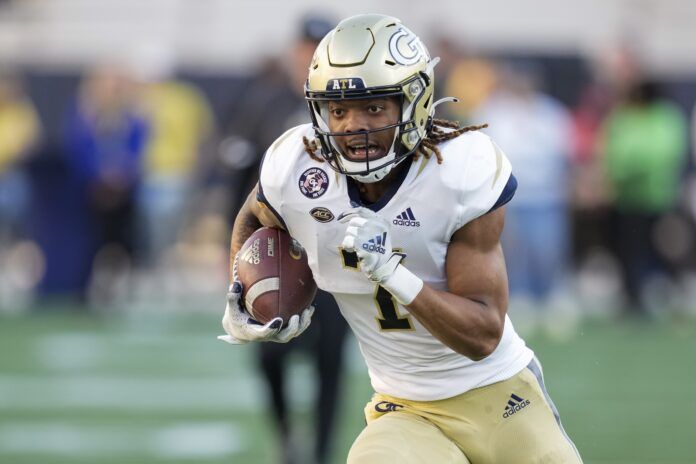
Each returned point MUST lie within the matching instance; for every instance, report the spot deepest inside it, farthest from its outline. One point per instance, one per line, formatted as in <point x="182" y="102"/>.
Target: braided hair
<point x="428" y="146"/>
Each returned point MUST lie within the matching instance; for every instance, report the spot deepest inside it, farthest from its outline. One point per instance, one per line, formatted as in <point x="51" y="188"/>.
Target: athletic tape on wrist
<point x="404" y="285"/>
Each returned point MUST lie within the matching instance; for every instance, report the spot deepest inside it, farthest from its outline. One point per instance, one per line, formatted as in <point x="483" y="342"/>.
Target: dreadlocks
<point x="428" y="146"/>
<point x="311" y="147"/>
<point x="437" y="134"/>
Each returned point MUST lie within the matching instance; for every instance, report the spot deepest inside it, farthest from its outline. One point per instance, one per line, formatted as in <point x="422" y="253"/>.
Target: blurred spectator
<point x="20" y="267"/>
<point x="645" y="148"/>
<point x="19" y="131"/>
<point x="105" y="141"/>
<point x="590" y="196"/>
<point x="471" y="80"/>
<point x="533" y="130"/>
<point x="180" y="121"/>
<point x="597" y="270"/>
<point x="275" y="102"/>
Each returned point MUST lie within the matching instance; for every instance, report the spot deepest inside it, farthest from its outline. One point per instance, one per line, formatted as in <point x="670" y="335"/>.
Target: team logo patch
<point x="321" y="214"/>
<point x="313" y="183"/>
<point x="514" y="405"/>
<point x="386" y="406"/>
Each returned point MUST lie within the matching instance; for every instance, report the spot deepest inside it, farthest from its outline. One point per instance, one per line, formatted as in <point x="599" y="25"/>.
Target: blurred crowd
<point x="102" y="190"/>
<point x="121" y="183"/>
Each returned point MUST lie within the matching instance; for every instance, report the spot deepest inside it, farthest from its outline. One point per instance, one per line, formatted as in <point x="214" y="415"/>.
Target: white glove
<point x="369" y="236"/>
<point x="241" y="328"/>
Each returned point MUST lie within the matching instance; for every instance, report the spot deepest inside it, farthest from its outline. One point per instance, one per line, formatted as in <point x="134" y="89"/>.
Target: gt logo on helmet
<point x="406" y="48"/>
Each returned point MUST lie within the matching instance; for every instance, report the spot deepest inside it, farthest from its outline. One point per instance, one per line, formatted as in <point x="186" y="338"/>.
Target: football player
<point x="401" y="214"/>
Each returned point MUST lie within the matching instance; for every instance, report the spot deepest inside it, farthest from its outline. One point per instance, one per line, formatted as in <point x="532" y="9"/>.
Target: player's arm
<point x="238" y="325"/>
<point x="469" y="318"/>
<point x="251" y="216"/>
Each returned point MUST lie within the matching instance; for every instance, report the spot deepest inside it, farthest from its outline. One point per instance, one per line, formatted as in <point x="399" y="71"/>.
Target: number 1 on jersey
<point x="390" y="320"/>
<point x="386" y="304"/>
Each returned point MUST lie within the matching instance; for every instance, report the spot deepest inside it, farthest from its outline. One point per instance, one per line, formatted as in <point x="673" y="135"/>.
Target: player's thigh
<point x="404" y="438"/>
<point x="531" y="430"/>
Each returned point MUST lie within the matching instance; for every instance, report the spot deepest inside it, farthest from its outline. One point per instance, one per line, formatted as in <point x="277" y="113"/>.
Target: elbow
<point x="482" y="351"/>
<point x="486" y="345"/>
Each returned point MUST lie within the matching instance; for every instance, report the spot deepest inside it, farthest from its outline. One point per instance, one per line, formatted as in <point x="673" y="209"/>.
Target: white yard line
<point x="184" y="440"/>
<point x="80" y="351"/>
<point x="132" y="394"/>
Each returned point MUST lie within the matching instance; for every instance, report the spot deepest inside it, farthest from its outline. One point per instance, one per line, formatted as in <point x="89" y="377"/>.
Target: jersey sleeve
<point x="483" y="179"/>
<point x="276" y="166"/>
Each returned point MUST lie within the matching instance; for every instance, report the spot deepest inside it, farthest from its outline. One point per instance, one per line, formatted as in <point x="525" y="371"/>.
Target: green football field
<point x="159" y="388"/>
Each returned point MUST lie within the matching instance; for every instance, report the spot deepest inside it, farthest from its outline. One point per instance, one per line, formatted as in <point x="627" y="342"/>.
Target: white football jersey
<point x="425" y="207"/>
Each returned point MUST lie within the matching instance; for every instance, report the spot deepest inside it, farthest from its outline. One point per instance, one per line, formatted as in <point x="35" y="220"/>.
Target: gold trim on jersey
<point x="348" y="258"/>
<point x="422" y="165"/>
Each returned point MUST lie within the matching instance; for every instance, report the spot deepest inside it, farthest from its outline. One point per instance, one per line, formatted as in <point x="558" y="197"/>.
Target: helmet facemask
<point x="406" y="137"/>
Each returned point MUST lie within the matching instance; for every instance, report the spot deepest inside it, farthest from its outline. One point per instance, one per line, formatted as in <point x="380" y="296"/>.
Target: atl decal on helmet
<point x="352" y="83"/>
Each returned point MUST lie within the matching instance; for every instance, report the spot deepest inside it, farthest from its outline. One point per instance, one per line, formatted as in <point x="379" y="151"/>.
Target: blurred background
<point x="130" y="132"/>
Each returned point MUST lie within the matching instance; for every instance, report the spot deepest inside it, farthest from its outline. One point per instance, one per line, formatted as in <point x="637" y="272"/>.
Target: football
<point x="276" y="279"/>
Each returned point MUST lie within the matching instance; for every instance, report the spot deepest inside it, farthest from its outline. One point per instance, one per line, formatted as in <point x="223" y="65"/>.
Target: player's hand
<point x="369" y="236"/>
<point x="241" y="328"/>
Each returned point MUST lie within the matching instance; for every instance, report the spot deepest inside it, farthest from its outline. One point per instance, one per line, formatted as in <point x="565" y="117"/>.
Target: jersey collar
<point x="354" y="192"/>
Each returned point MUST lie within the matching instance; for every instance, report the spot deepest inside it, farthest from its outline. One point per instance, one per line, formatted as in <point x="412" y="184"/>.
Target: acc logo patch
<point x="313" y="183"/>
<point x="406" y="48"/>
<point x="322" y="214"/>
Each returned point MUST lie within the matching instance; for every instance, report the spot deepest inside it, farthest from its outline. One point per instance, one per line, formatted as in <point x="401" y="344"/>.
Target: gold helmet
<point x="372" y="56"/>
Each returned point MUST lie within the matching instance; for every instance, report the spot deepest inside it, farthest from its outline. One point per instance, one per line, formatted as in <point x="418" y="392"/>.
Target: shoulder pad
<point x="477" y="170"/>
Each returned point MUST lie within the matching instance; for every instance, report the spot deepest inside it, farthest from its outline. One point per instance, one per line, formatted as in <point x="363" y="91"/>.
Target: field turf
<point x="159" y="388"/>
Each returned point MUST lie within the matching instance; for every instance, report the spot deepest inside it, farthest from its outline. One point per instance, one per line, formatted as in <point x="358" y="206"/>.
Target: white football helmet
<point x="368" y="56"/>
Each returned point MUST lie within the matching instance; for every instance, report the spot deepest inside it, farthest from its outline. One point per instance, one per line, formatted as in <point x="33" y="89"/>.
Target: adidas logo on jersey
<point x="406" y="218"/>
<point x="514" y="404"/>
<point x="251" y="255"/>
<point x="376" y="244"/>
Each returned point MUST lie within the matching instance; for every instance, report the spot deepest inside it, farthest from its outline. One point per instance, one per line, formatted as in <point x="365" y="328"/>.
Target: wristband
<point x="404" y="285"/>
